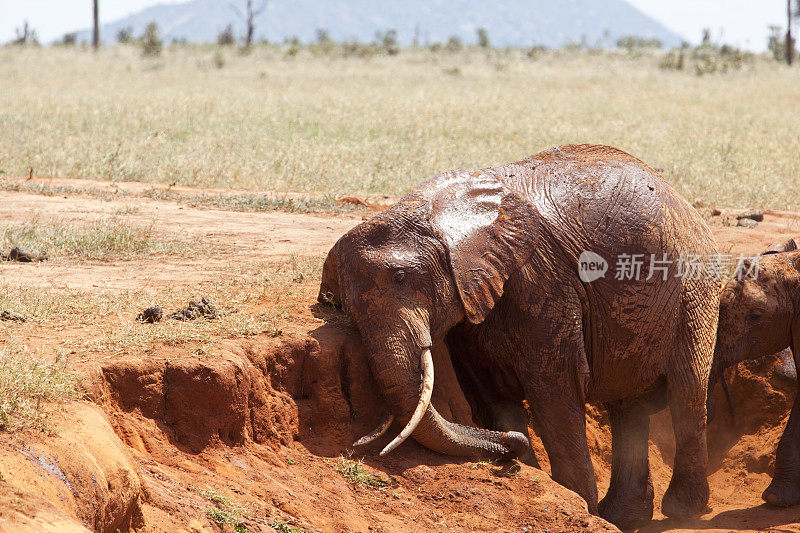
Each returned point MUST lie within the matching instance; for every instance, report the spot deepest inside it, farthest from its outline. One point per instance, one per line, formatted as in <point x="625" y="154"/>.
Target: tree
<point x="249" y="18"/>
<point x="96" y="32"/>
<point x="151" y="41"/>
<point x="26" y="35"/>
<point x="789" y="39"/>
<point x="483" y="38"/>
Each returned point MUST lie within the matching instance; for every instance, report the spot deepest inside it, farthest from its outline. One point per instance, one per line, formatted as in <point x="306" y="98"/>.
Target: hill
<point x="509" y="22"/>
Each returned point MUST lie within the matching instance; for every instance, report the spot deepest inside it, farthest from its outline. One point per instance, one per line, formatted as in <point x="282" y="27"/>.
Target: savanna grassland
<point x="209" y="172"/>
<point x="297" y="121"/>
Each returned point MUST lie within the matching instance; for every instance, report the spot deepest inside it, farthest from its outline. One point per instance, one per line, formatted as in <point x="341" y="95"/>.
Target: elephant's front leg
<point x="784" y="491"/>
<point x="561" y="424"/>
<point x="629" y="501"/>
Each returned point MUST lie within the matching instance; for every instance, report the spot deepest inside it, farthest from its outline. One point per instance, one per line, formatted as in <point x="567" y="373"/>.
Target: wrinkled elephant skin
<point x="488" y="262"/>
<point x="759" y="315"/>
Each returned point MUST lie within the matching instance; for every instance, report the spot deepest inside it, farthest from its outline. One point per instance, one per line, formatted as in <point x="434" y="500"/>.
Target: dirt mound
<point x="80" y="467"/>
<point x="268" y="423"/>
<point x="258" y="435"/>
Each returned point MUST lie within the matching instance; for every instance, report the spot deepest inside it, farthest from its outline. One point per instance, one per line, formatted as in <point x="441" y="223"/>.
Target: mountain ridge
<point x="508" y="22"/>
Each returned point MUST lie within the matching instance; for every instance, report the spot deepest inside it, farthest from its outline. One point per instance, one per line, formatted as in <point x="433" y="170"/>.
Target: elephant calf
<point x="509" y="266"/>
<point x="759" y="315"/>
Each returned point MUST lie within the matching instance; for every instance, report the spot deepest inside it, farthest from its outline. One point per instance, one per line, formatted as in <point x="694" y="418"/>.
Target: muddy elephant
<point x="511" y="268"/>
<point x="759" y="315"/>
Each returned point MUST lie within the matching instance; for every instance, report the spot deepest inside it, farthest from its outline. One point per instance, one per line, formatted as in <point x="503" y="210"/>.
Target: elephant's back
<point x="602" y="200"/>
<point x="604" y="196"/>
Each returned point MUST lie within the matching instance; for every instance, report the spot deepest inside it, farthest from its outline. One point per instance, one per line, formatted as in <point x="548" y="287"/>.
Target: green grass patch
<point x="225" y="511"/>
<point x="285" y="527"/>
<point x="355" y="474"/>
<point x="27" y="380"/>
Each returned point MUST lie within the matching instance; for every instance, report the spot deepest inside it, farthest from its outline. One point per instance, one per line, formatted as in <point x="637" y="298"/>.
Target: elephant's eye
<point x="755" y="315"/>
<point x="399" y="277"/>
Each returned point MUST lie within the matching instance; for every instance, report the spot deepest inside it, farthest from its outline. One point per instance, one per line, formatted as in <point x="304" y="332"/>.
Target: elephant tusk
<point x="422" y="406"/>
<point x="379" y="431"/>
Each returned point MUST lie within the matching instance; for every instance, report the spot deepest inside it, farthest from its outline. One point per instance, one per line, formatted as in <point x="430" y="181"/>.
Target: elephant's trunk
<point x="424" y="401"/>
<point x="408" y="389"/>
<point x="718" y="374"/>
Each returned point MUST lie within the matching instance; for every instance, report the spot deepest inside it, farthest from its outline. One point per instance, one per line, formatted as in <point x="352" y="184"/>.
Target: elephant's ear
<point x="489" y="232"/>
<point x="329" y="285"/>
<point x="788" y="246"/>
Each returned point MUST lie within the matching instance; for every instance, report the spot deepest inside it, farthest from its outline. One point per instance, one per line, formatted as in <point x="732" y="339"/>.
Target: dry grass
<point x="27" y="380"/>
<point x="381" y="124"/>
<point x="105" y="238"/>
<point x="254" y="299"/>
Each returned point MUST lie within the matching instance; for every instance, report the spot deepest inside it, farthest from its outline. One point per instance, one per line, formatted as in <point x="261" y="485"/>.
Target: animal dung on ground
<point x="24" y="255"/>
<point x="9" y="316"/>
<point x="151" y="315"/>
<point x="204" y="308"/>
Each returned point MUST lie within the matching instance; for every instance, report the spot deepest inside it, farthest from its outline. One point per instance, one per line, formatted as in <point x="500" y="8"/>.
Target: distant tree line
<point x="782" y="46"/>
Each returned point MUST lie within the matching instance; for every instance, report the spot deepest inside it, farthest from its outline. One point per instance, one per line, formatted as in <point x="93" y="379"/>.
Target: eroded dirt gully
<point x="265" y="420"/>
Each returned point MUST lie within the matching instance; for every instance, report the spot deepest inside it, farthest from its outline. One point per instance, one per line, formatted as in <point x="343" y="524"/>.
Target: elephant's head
<point x="759" y="310"/>
<point x="438" y="257"/>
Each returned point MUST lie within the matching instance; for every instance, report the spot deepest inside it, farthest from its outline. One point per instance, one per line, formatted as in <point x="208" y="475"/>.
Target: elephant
<point x="759" y="315"/>
<point x="498" y="265"/>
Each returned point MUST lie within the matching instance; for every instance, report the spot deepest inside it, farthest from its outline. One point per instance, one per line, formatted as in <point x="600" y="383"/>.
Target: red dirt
<point x="265" y="420"/>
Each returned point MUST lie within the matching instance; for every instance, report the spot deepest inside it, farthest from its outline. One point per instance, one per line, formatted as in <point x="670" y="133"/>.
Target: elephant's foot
<point x="686" y="497"/>
<point x="627" y="510"/>
<point x="782" y="493"/>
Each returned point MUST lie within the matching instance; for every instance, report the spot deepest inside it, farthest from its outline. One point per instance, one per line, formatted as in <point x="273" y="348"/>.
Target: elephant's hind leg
<point x="687" y="381"/>
<point x="629" y="501"/>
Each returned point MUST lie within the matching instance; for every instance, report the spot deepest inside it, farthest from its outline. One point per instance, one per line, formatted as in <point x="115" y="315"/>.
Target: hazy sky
<point x="740" y="22"/>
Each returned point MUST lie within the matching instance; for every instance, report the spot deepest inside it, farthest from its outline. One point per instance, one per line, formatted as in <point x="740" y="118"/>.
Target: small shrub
<point x="284" y="527"/>
<point x="535" y="51"/>
<point x="323" y="37"/>
<point x="454" y="44"/>
<point x="706" y="59"/>
<point x="226" y="37"/>
<point x="632" y="43"/>
<point x="219" y="59"/>
<point x="69" y="39"/>
<point x="388" y="42"/>
<point x="152" y="45"/>
<point x="27" y="379"/>
<point x="125" y="35"/>
<point x="355" y="474"/>
<point x="224" y="511"/>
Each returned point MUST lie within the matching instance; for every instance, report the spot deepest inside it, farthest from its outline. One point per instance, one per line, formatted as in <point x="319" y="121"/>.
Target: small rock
<point x="24" y="255"/>
<point x="758" y="216"/>
<point x="8" y="316"/>
<point x="151" y="315"/>
<point x="748" y="223"/>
